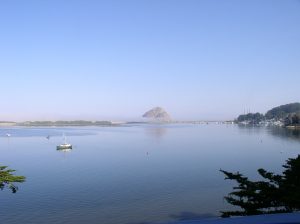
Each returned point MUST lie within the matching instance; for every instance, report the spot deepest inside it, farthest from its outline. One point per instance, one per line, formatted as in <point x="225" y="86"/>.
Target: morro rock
<point x="157" y="114"/>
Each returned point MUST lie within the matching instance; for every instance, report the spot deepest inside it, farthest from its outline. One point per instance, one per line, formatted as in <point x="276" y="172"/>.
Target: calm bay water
<point x="133" y="174"/>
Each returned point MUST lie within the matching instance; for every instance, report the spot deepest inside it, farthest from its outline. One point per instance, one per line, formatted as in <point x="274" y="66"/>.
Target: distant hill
<point x="283" y="111"/>
<point x="288" y="114"/>
<point x="158" y="114"/>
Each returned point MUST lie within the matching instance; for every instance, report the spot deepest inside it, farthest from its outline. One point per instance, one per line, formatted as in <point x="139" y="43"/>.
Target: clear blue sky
<point x="116" y="59"/>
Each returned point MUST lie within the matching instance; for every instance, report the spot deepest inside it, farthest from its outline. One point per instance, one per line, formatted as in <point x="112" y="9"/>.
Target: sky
<point x="114" y="60"/>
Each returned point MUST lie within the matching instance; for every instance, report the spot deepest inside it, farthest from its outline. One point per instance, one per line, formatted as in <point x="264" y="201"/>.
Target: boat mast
<point x="65" y="141"/>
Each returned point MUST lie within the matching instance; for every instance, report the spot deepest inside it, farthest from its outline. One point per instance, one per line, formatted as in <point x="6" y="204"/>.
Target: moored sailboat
<point x="65" y="145"/>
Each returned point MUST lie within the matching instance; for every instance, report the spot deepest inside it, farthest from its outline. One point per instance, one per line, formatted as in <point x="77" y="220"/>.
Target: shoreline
<point x="82" y="123"/>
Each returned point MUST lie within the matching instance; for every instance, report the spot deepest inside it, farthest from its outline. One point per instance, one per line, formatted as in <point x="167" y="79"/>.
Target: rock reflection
<point x="156" y="132"/>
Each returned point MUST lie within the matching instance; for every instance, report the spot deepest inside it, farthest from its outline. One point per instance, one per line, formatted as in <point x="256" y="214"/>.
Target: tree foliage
<point x="253" y="118"/>
<point x="292" y="119"/>
<point x="274" y="194"/>
<point x="282" y="111"/>
<point x="8" y="179"/>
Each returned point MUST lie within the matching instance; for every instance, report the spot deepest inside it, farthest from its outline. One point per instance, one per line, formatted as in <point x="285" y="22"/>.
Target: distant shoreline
<point x="59" y="123"/>
<point x="82" y="123"/>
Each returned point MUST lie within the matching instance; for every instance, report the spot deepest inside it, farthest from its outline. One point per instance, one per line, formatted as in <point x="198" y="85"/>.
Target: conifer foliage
<point x="274" y="194"/>
<point x="8" y="179"/>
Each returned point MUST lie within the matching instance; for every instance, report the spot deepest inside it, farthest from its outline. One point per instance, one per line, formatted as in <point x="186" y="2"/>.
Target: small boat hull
<point x="64" y="146"/>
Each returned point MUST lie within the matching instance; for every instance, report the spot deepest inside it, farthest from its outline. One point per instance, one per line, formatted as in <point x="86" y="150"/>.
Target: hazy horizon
<point x="114" y="60"/>
<point x="137" y="117"/>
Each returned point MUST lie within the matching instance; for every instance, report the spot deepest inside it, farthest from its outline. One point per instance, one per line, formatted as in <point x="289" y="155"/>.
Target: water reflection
<point x="156" y="131"/>
<point x="281" y="132"/>
<point x="250" y="129"/>
<point x="191" y="216"/>
<point x="285" y="133"/>
<point x="64" y="150"/>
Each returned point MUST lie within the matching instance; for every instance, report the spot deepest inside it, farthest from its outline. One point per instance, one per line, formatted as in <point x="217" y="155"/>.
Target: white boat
<point x="65" y="145"/>
<point x="8" y="135"/>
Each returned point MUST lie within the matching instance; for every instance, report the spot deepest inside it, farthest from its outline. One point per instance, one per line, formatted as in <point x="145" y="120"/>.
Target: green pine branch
<point x="8" y="179"/>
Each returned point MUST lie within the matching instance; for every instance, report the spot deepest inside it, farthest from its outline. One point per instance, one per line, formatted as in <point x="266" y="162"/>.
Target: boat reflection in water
<point x="64" y="150"/>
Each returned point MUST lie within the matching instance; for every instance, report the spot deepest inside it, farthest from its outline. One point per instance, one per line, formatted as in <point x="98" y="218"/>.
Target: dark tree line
<point x="292" y="119"/>
<point x="275" y="194"/>
<point x="289" y="113"/>
<point x="253" y="118"/>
